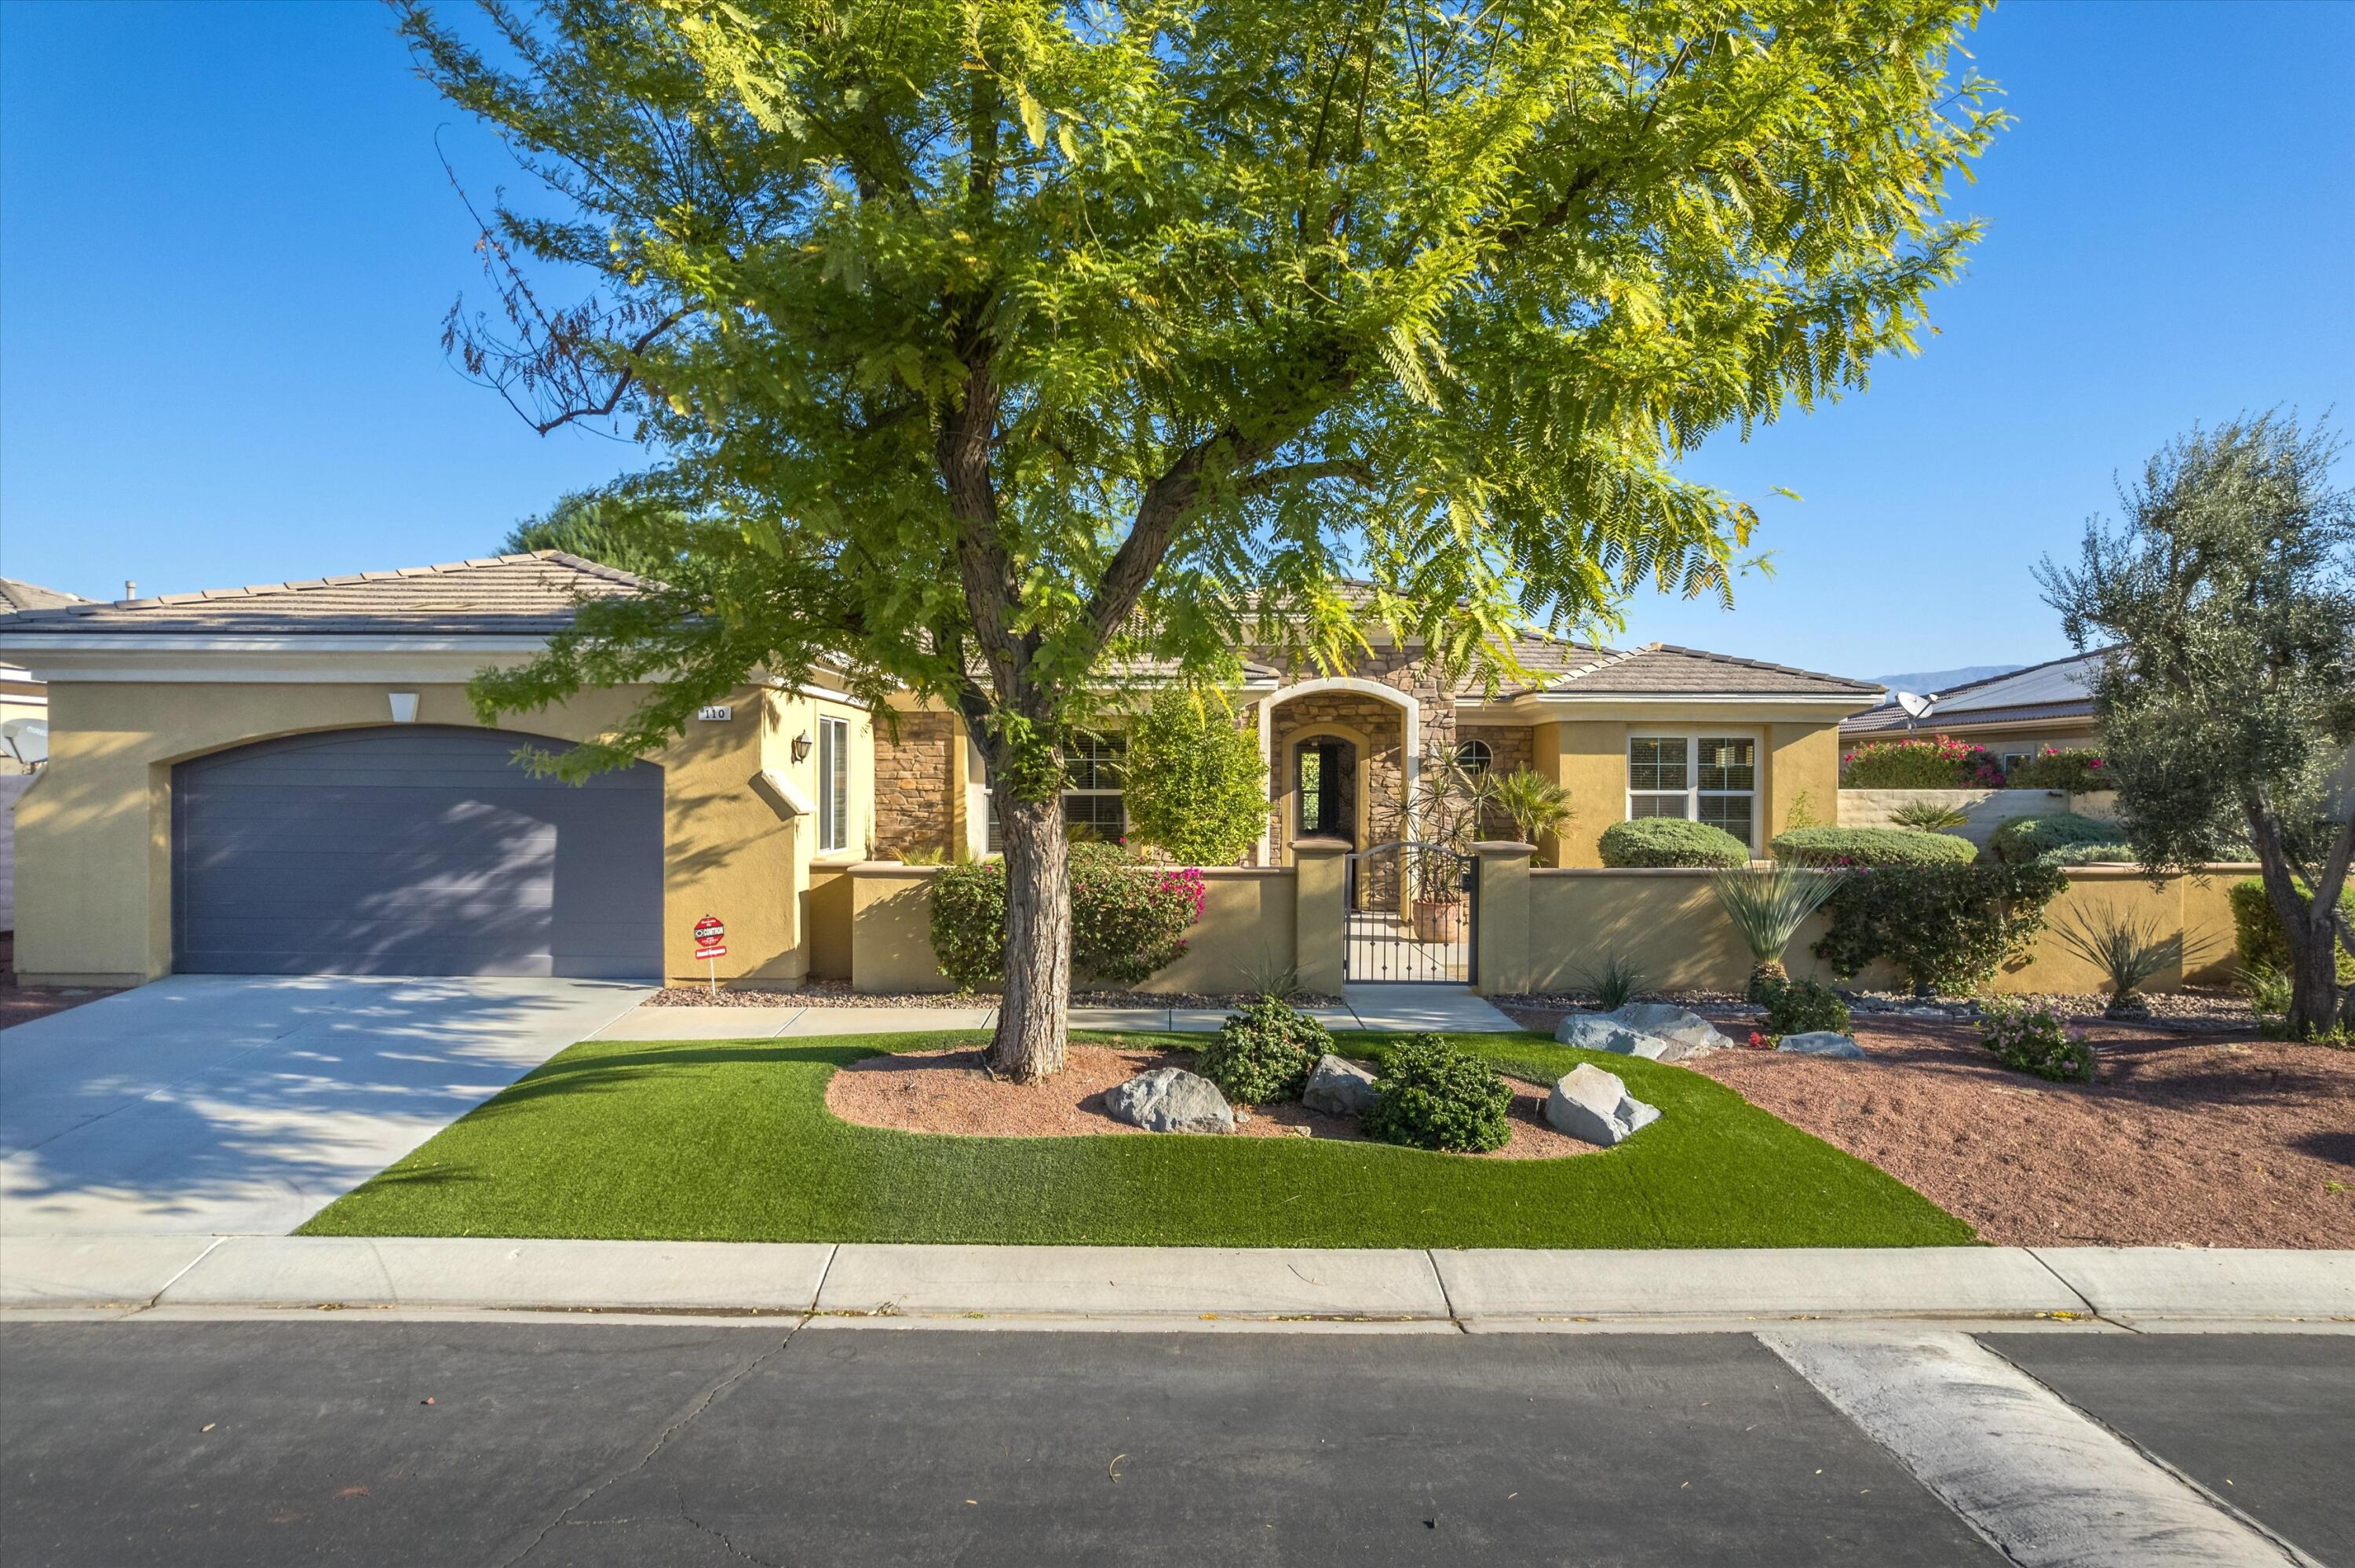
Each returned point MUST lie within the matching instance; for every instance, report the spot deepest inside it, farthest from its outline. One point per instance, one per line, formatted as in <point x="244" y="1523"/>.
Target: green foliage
<point x="2257" y="936"/>
<point x="2025" y="838"/>
<point x="1615" y="982"/>
<point x="2227" y="697"/>
<point x="1430" y="1094"/>
<point x="2089" y="855"/>
<point x="1536" y="805"/>
<point x="1196" y="785"/>
<point x="2080" y="770"/>
<point x="1802" y="1009"/>
<point x="1870" y="847"/>
<point x="1802" y="813"/>
<point x="1768" y="907"/>
<point x="2126" y="950"/>
<point x="1929" y="816"/>
<point x="1263" y="1053"/>
<point x="2032" y="1039"/>
<point x="1939" y="762"/>
<point x="1128" y="919"/>
<point x="585" y="523"/>
<point x="1671" y="841"/>
<point x="1947" y="927"/>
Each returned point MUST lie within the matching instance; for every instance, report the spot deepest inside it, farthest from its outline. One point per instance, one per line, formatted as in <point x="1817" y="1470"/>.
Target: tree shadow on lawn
<point x="732" y="1140"/>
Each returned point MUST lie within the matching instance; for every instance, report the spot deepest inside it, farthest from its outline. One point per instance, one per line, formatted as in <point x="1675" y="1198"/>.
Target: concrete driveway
<point x="207" y="1105"/>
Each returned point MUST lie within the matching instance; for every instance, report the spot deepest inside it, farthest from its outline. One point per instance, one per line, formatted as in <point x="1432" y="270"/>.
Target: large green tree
<point x="578" y="525"/>
<point x="987" y="344"/>
<point x="2227" y="598"/>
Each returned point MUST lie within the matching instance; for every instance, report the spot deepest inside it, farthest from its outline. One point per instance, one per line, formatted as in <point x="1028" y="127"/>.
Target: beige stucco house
<point x="288" y="779"/>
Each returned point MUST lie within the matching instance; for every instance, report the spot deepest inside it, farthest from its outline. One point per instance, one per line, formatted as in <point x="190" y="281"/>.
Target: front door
<point x="1324" y="771"/>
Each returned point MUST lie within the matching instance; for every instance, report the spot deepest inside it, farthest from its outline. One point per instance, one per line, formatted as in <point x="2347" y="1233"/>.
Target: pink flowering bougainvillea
<point x="1940" y="762"/>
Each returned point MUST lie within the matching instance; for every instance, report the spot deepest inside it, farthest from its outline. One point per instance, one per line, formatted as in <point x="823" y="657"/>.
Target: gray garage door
<point x="412" y="849"/>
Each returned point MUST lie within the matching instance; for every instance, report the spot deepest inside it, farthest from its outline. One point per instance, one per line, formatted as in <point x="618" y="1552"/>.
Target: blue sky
<point x="226" y="243"/>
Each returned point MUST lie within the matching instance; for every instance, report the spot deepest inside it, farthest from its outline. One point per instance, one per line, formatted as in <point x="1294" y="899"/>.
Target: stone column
<point x="1320" y="867"/>
<point x="1502" y="921"/>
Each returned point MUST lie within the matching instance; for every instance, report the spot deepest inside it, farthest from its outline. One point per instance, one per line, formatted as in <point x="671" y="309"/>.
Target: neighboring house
<point x="289" y="777"/>
<point x="23" y="698"/>
<point x="2014" y="716"/>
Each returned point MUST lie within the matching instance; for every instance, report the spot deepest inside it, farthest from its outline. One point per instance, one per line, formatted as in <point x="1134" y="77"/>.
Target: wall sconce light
<point x="404" y="706"/>
<point x="801" y="746"/>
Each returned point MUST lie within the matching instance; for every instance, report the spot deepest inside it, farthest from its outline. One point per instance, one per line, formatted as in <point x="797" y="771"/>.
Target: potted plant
<point x="1443" y="807"/>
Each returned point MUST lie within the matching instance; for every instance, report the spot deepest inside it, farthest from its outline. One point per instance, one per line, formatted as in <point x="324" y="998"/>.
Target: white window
<point x="832" y="785"/>
<point x="1701" y="778"/>
<point x="1092" y="780"/>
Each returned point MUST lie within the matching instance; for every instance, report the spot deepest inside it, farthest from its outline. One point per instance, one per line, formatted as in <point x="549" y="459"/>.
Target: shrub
<point x="2126" y="951"/>
<point x="1263" y="1053"/>
<point x="1940" y="762"/>
<point x="1194" y="784"/>
<point x="2077" y="770"/>
<point x="1671" y="841"/>
<point x="1802" y="1009"/>
<point x="1948" y="927"/>
<point x="1930" y="816"/>
<point x="1128" y="919"/>
<point x="2032" y="1039"/>
<point x="1870" y="847"/>
<point x="1615" y="983"/>
<point x="2089" y="855"/>
<point x="2257" y="935"/>
<point x="2025" y="838"/>
<point x="1429" y="1095"/>
<point x="1768" y="907"/>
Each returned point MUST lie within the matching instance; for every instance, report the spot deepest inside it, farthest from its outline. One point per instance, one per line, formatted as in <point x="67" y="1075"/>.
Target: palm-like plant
<point x="1535" y="804"/>
<point x="2126" y="951"/>
<point x="1768" y="907"/>
<point x="1928" y="816"/>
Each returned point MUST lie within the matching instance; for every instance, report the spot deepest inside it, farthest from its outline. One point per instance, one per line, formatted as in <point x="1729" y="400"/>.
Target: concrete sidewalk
<point x="1174" y="1286"/>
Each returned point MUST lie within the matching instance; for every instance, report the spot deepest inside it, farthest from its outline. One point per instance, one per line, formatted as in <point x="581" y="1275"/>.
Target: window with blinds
<point x="832" y="785"/>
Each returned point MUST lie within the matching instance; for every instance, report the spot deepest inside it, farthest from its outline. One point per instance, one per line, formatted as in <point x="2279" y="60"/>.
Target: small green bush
<point x="1671" y="841"/>
<point x="1802" y="1009"/>
<point x="1429" y="1095"/>
<point x="1128" y="918"/>
<point x="1194" y="783"/>
<point x="2089" y="855"/>
<point x="2078" y="770"/>
<point x="969" y="923"/>
<point x="1263" y="1053"/>
<point x="2257" y="935"/>
<point x="2032" y="1039"/>
<point x="2025" y="838"/>
<point x="1870" y="847"/>
<point x="1948" y="927"/>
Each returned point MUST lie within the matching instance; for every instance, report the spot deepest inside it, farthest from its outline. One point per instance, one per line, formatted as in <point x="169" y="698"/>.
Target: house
<point x="2014" y="716"/>
<point x="288" y="779"/>
<point x="23" y="700"/>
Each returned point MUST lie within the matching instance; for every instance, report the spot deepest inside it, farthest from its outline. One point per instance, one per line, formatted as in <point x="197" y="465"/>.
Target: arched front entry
<point x="412" y="849"/>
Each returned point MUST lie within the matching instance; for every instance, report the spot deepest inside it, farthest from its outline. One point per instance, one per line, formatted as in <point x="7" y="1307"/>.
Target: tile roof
<point x="517" y="596"/>
<point x="15" y="594"/>
<point x="2056" y="689"/>
<point x="1662" y="669"/>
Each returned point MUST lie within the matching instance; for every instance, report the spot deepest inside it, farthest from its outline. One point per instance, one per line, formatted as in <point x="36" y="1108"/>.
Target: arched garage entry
<point x="412" y="849"/>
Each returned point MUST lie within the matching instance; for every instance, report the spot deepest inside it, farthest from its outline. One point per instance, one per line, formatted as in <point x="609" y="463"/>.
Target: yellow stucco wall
<point x="1588" y="759"/>
<point x="94" y="838"/>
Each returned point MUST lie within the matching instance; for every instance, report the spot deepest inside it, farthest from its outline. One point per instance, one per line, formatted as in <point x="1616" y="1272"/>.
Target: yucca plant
<point x="1928" y="816"/>
<point x="1768" y="907"/>
<point x="1614" y="984"/>
<point x="1535" y="804"/>
<point x="2126" y="951"/>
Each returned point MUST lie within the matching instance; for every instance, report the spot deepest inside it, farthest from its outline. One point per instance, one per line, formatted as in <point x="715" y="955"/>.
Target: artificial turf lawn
<point x="732" y="1140"/>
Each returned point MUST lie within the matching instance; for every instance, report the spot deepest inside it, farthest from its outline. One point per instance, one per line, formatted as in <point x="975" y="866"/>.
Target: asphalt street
<point x="349" y="1440"/>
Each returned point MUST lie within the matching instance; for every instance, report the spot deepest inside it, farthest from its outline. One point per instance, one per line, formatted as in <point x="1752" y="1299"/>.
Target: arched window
<point x="1474" y="757"/>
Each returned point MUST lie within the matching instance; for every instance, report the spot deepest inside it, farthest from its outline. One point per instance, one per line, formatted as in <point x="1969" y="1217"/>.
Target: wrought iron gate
<point x="1411" y="916"/>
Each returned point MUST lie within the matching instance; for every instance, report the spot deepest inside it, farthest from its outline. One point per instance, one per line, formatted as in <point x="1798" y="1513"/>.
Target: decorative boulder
<point x="1687" y="1033"/>
<point x="1170" y="1099"/>
<point x="1601" y="1032"/>
<point x="1822" y="1042"/>
<point x="1338" y="1088"/>
<point x="1594" y="1106"/>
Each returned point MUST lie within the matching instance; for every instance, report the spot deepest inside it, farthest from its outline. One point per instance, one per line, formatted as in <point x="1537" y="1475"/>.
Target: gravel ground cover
<point x="2193" y="1011"/>
<point x="837" y="993"/>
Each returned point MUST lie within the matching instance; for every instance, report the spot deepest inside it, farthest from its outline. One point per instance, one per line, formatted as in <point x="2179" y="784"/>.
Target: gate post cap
<point x="1503" y="846"/>
<point x="1320" y="845"/>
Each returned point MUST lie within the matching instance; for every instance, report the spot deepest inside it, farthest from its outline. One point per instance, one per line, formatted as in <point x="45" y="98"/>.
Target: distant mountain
<point x="1927" y="681"/>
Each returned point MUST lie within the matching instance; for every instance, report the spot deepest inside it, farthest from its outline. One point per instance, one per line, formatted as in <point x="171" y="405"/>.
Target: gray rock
<point x="1601" y="1032"/>
<point x="1170" y="1099"/>
<point x="1338" y="1088"/>
<point x="1687" y="1033"/>
<point x="1594" y="1106"/>
<point x="1822" y="1042"/>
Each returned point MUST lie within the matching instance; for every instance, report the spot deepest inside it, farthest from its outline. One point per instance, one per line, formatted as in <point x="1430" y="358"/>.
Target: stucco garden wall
<point x="94" y="872"/>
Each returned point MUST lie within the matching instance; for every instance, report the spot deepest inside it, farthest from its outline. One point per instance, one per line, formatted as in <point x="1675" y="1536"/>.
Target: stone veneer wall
<point x="913" y="784"/>
<point x="1510" y="749"/>
<point x="1380" y="758"/>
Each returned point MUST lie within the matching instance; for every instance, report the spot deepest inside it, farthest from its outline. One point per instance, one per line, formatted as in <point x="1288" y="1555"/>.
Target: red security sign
<point x="709" y="932"/>
<point x="711" y="952"/>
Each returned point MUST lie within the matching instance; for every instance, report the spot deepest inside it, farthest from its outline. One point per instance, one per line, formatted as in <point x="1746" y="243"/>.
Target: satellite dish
<point x="27" y="740"/>
<point x="1915" y="704"/>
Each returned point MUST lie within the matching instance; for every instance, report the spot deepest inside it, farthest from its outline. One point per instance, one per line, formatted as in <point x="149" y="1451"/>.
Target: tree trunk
<point x="1033" y="1019"/>
<point x="2306" y="927"/>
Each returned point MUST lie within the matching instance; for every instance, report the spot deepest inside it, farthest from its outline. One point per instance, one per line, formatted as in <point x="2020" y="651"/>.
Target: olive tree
<point x="2227" y="603"/>
<point x="985" y="346"/>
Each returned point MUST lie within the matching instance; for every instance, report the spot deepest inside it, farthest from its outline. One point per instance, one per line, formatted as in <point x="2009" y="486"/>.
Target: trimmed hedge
<point x="2090" y="854"/>
<point x="2080" y="770"/>
<point x="2023" y="839"/>
<point x="1671" y="841"/>
<point x="1263" y="1053"/>
<point x="2257" y="935"/>
<point x="1430" y="1095"/>
<point x="1871" y="847"/>
<point x="1948" y="927"/>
